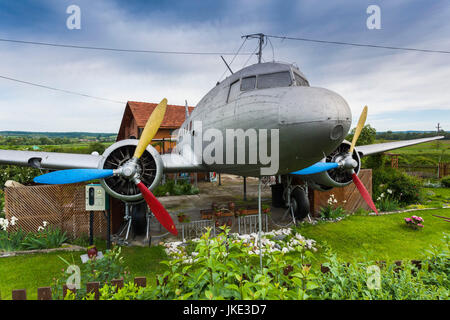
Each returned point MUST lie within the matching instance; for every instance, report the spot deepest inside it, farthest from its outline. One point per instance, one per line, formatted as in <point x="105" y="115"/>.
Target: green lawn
<point x="384" y="237"/>
<point x="375" y="237"/>
<point x="433" y="150"/>
<point x="38" y="270"/>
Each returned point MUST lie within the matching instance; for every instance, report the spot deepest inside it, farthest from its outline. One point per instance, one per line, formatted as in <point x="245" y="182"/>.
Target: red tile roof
<point x="173" y="119"/>
<point x="141" y="111"/>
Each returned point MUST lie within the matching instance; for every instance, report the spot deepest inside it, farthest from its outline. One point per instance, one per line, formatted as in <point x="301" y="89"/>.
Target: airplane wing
<point x="49" y="160"/>
<point x="382" y="147"/>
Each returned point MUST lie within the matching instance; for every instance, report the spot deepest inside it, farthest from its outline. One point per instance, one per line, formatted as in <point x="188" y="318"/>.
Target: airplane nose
<point x="314" y="118"/>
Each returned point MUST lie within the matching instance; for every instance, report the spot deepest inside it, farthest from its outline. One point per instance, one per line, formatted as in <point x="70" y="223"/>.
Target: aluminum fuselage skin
<point x="312" y="122"/>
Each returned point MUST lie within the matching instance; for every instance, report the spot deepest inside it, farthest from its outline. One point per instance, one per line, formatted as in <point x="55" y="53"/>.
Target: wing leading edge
<point x="382" y="147"/>
<point x="49" y="160"/>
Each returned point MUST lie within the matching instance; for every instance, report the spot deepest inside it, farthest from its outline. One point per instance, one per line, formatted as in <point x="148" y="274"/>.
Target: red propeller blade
<point x="158" y="210"/>
<point x="363" y="191"/>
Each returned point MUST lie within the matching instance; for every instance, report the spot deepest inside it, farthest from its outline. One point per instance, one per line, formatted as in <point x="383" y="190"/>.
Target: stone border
<point x="402" y="211"/>
<point x="17" y="253"/>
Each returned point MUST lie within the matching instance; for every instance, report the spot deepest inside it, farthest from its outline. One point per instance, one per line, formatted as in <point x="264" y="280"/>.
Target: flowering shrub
<point x="405" y="189"/>
<point x="46" y="237"/>
<point x="283" y="240"/>
<point x="332" y="210"/>
<point x="103" y="270"/>
<point x="414" y="222"/>
<point x="386" y="201"/>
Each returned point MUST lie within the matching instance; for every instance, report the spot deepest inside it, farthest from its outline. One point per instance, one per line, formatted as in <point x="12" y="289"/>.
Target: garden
<point x="366" y="256"/>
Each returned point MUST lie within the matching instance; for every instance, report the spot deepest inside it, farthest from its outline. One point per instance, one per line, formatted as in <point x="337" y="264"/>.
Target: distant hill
<point x="55" y="134"/>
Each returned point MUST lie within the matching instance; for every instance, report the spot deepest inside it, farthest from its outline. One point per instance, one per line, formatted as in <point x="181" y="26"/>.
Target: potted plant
<point x="181" y="216"/>
<point x="265" y="208"/>
<point x="414" y="222"/>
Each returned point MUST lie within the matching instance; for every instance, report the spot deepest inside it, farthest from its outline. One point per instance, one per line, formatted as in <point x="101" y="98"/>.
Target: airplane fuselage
<point x="311" y="121"/>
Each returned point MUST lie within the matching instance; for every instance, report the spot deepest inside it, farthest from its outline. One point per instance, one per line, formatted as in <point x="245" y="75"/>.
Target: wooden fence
<point x="62" y="206"/>
<point x="45" y="293"/>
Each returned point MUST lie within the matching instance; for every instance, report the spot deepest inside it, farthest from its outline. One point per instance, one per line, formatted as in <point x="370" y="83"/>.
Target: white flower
<point x="382" y="195"/>
<point x="40" y="228"/>
<point x="44" y="223"/>
<point x="13" y="220"/>
<point x="389" y="191"/>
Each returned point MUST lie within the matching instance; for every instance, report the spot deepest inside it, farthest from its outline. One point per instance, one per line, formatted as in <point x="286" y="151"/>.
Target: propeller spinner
<point x="128" y="170"/>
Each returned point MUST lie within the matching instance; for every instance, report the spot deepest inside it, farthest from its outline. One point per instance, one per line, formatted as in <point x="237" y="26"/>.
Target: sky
<point x="404" y="90"/>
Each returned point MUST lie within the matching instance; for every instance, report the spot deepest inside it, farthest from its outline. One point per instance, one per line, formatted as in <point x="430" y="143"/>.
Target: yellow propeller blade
<point x="151" y="127"/>
<point x="359" y="127"/>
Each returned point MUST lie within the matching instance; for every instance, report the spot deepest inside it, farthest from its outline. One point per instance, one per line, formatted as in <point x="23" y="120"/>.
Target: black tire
<point x="300" y="203"/>
<point x="139" y="221"/>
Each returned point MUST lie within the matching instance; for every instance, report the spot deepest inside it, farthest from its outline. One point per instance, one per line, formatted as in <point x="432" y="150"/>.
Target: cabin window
<point x="234" y="91"/>
<point x="248" y="83"/>
<point x="274" y="80"/>
<point x="300" y="81"/>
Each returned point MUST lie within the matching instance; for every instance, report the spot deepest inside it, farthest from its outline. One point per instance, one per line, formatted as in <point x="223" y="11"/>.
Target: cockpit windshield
<point x="300" y="81"/>
<point x="274" y="80"/>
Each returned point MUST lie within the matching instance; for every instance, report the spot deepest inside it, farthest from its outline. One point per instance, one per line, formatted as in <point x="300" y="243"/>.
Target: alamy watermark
<point x="74" y="20"/>
<point x="229" y="146"/>
<point x="374" y="20"/>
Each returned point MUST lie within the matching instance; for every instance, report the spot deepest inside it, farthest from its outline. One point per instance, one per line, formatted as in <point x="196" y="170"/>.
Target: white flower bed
<point x="277" y="240"/>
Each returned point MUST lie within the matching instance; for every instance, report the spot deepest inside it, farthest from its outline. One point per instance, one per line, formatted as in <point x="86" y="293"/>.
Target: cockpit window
<point x="234" y="91"/>
<point x="300" y="81"/>
<point x="274" y="80"/>
<point x="248" y="83"/>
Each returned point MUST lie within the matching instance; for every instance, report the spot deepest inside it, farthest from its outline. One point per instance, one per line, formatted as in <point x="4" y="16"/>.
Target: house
<point x="135" y="118"/>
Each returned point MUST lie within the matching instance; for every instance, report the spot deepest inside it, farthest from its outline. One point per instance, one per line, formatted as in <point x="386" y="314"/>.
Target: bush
<point x="22" y="175"/>
<point x="224" y="269"/>
<point x="180" y="188"/>
<point x="445" y="181"/>
<point x="2" y="204"/>
<point x="46" y="238"/>
<point x="103" y="270"/>
<point x="405" y="189"/>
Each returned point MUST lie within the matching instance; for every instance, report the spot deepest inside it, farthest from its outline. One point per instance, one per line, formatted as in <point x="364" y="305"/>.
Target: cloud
<point x="385" y="80"/>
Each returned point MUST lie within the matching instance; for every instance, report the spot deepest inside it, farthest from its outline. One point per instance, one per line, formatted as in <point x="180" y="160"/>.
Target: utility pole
<point x="259" y="36"/>
<point x="439" y="128"/>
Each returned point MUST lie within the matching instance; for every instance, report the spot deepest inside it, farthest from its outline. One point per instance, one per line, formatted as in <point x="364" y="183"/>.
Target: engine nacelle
<point x="150" y="170"/>
<point x="335" y="178"/>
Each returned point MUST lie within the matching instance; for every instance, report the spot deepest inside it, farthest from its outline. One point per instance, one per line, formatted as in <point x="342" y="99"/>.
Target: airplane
<point x="312" y="124"/>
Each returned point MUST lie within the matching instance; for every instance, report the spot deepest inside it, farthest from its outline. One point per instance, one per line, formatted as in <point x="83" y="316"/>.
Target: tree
<point x="367" y="136"/>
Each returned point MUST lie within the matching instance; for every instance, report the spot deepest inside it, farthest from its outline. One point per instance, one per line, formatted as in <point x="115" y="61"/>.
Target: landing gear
<point x="295" y="197"/>
<point x="299" y="203"/>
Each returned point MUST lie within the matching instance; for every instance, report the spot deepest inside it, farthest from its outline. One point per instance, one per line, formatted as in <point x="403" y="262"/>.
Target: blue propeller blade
<point x="73" y="176"/>
<point x="316" y="168"/>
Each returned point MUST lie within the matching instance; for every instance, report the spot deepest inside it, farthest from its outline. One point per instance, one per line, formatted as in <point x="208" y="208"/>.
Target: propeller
<point x="347" y="163"/>
<point x="127" y="170"/>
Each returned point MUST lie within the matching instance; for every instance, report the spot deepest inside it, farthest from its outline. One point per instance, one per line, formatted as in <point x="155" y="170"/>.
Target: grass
<point x="384" y="237"/>
<point x="354" y="238"/>
<point x="433" y="150"/>
<point x="37" y="270"/>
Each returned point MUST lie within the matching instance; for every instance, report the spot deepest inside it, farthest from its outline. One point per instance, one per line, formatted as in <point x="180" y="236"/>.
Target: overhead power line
<point x="118" y="49"/>
<point x="358" y="44"/>
<point x="61" y="90"/>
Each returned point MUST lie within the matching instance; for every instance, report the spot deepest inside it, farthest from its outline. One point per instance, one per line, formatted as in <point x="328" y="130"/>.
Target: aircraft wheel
<point x="139" y="219"/>
<point x="300" y="203"/>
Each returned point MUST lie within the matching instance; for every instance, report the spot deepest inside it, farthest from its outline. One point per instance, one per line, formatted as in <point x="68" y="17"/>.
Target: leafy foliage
<point x="47" y="238"/>
<point x="175" y="189"/>
<point x="445" y="181"/>
<point x="405" y="189"/>
<point x="225" y="270"/>
<point x="22" y="175"/>
<point x="103" y="270"/>
<point x="367" y="136"/>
